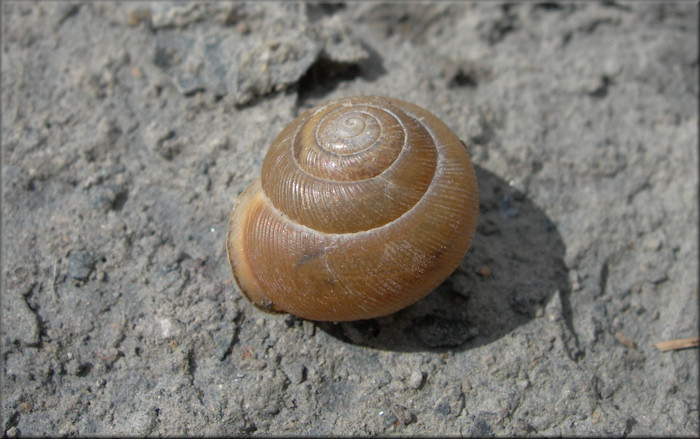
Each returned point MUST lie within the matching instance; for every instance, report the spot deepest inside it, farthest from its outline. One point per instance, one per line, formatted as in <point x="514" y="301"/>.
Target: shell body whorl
<point x="365" y="205"/>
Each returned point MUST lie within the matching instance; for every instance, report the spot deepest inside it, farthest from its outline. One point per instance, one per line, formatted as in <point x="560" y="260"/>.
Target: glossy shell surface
<point x="365" y="205"/>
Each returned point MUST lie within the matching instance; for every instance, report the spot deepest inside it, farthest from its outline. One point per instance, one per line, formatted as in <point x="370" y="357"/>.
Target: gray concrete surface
<point x="128" y="129"/>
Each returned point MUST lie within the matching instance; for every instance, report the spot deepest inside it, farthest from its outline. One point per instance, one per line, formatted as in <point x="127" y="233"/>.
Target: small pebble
<point x="136" y="72"/>
<point x="485" y="272"/>
<point x="404" y="416"/>
<point x="443" y="408"/>
<point x="295" y="372"/>
<point x="415" y="380"/>
<point x="309" y="328"/>
<point x="138" y="16"/>
<point x="80" y="265"/>
<point x="108" y="197"/>
<point x="223" y="339"/>
<point x="242" y="28"/>
<point x="390" y="419"/>
<point x="625" y="340"/>
<point x="523" y="384"/>
<point x="381" y="379"/>
<point x="481" y="428"/>
<point x="259" y="364"/>
<point x="527" y="298"/>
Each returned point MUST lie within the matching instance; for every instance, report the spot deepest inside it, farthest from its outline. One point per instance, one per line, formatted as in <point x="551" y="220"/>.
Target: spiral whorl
<point x="373" y="159"/>
<point x="349" y="142"/>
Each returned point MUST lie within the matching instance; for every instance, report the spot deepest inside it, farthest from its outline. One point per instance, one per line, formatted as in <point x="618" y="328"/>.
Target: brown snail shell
<point x="365" y="205"/>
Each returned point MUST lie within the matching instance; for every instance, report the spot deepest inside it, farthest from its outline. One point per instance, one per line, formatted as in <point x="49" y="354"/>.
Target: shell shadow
<point x="514" y="265"/>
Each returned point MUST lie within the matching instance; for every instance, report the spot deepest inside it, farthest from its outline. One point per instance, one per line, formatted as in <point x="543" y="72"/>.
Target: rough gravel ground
<point x="129" y="129"/>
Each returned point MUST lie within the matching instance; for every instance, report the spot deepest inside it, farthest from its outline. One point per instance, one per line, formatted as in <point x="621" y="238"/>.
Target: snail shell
<point x="365" y="205"/>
